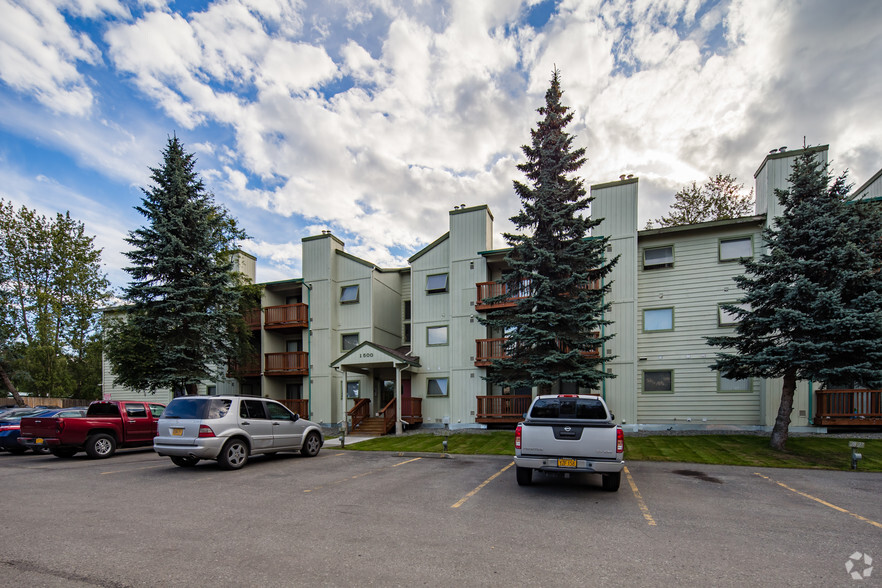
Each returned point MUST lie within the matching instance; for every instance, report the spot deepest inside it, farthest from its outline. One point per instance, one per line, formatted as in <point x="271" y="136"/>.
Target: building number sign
<point x="363" y="355"/>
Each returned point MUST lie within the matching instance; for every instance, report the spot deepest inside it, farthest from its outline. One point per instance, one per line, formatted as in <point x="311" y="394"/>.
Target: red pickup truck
<point x="106" y="426"/>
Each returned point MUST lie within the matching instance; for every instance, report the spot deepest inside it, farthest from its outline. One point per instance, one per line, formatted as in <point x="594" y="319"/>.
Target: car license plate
<point x="39" y="441"/>
<point x="566" y="463"/>
<point x="177" y="432"/>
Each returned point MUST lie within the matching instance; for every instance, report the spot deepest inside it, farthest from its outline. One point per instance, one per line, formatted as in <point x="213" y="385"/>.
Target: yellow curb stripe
<point x="408" y="461"/>
<point x="478" y="489"/>
<point x="643" y="508"/>
<point x="819" y="501"/>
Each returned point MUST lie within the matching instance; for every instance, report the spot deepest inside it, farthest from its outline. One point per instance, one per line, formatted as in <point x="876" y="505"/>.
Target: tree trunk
<point x="782" y="423"/>
<point x="11" y="387"/>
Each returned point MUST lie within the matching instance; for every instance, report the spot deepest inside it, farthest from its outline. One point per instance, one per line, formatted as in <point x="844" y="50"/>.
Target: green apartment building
<point x="347" y="339"/>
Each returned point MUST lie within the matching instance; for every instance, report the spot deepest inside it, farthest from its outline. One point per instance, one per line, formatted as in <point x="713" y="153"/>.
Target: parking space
<point x="357" y="517"/>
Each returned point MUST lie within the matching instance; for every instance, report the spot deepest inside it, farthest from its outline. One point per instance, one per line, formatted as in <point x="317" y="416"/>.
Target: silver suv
<point x="230" y="429"/>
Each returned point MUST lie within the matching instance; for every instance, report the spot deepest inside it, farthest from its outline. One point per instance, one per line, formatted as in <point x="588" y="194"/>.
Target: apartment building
<point x="349" y="341"/>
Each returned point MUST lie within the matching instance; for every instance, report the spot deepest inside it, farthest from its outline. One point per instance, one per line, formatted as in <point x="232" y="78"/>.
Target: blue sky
<point x="374" y="118"/>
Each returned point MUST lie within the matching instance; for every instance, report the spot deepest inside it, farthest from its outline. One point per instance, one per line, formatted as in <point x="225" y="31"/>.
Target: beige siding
<point x="694" y="287"/>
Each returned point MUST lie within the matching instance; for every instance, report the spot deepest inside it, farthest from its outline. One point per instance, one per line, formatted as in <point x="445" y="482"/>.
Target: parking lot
<point x="356" y="518"/>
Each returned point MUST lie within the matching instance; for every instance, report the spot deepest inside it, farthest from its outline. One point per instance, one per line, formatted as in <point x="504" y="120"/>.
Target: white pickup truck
<point x="567" y="433"/>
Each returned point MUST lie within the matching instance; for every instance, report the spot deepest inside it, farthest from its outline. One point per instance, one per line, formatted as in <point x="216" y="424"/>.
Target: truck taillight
<point x="59" y="425"/>
<point x="620" y="441"/>
<point x="205" y="431"/>
<point x="518" y="437"/>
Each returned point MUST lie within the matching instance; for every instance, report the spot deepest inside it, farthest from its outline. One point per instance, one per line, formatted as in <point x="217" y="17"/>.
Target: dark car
<point x="10" y="426"/>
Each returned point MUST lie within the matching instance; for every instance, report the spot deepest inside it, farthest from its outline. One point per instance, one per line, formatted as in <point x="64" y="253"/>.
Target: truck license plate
<point x="566" y="463"/>
<point x="39" y="440"/>
<point x="177" y="432"/>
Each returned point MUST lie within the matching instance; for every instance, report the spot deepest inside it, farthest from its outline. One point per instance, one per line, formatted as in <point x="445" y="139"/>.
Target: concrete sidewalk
<point x="349" y="441"/>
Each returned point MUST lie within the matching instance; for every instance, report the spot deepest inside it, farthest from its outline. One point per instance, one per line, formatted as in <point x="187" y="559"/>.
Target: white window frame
<point x="748" y="239"/>
<point x="658" y="264"/>
<point x="344" y="299"/>
<point x="668" y="308"/>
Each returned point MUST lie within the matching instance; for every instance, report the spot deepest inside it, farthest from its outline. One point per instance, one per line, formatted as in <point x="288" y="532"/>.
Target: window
<point x="436" y="336"/>
<point x="156" y="410"/>
<point x="348" y="294"/>
<point x="136" y="411"/>
<point x="436" y="283"/>
<point x="568" y="408"/>
<point x="658" y="381"/>
<point x="407" y="310"/>
<point x="658" y="257"/>
<point x="726" y="318"/>
<point x="658" y="319"/>
<point x="252" y="409"/>
<point x="352" y="389"/>
<point x="349" y="341"/>
<point x="277" y="412"/>
<point x="730" y="385"/>
<point x="735" y="249"/>
<point x="407" y="333"/>
<point x="211" y="390"/>
<point x="293" y="391"/>
<point x="437" y="387"/>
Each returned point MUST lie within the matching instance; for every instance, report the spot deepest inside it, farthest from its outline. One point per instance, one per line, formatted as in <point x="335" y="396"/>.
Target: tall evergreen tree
<point x="185" y="319"/>
<point x="555" y="266"/>
<point x="812" y="304"/>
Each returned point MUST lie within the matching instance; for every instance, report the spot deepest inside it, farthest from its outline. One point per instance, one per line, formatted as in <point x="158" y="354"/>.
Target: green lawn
<point x="744" y="450"/>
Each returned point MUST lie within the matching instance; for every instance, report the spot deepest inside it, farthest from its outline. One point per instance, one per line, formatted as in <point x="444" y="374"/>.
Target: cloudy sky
<point x="373" y="118"/>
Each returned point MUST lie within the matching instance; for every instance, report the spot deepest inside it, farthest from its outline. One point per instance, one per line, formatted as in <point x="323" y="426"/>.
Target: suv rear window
<point x="568" y="408"/>
<point x="197" y="408"/>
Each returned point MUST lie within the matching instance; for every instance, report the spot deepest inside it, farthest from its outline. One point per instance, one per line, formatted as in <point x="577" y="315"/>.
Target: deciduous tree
<point x="720" y="197"/>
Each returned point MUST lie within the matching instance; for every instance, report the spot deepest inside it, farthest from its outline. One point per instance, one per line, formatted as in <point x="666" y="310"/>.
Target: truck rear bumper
<point x="553" y="464"/>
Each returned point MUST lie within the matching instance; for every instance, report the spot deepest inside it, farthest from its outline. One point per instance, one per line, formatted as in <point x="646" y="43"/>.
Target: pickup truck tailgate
<point x="39" y="427"/>
<point x="562" y="439"/>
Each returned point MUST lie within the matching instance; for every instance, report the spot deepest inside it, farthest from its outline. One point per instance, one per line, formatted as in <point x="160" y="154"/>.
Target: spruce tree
<point x="811" y="304"/>
<point x="184" y="318"/>
<point x="554" y="266"/>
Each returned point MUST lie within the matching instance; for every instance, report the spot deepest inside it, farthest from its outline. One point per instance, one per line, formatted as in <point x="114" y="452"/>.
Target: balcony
<point x="506" y="409"/>
<point x="488" y="350"/>
<point x="848" y="408"/>
<point x="297" y="406"/>
<point x="287" y="317"/>
<point x="252" y="319"/>
<point x="249" y="369"/>
<point x="288" y="363"/>
<point x="487" y="290"/>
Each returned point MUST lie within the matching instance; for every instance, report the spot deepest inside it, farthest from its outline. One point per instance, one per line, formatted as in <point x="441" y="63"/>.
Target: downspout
<point x="309" y="347"/>
<point x="811" y="396"/>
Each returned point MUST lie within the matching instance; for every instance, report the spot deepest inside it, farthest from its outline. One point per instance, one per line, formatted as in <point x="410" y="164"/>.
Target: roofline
<point x="867" y="184"/>
<point x="472" y="209"/>
<point x="615" y="183"/>
<point x="428" y="247"/>
<point x="791" y="153"/>
<point x="288" y="281"/>
<point x="743" y="220"/>
<point x="323" y="236"/>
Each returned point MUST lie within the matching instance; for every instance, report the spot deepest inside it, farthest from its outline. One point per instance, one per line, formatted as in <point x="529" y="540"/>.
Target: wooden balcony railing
<point x="489" y="349"/>
<point x="286" y="316"/>
<point x="848" y="408"/>
<point x="297" y="406"/>
<point x="248" y="369"/>
<point x="252" y="319"/>
<point x="360" y="411"/>
<point x="502" y="409"/>
<point x="387" y="413"/>
<point x="412" y="410"/>
<point x="288" y="363"/>
<point x="487" y="290"/>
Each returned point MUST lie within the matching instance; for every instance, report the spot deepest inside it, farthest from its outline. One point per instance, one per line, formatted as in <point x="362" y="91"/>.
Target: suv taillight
<point x="518" y="437"/>
<point x="205" y="431"/>
<point x="620" y="441"/>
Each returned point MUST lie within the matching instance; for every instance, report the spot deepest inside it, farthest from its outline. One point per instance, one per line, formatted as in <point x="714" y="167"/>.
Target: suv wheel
<point x="234" y="455"/>
<point x="184" y="462"/>
<point x="311" y="445"/>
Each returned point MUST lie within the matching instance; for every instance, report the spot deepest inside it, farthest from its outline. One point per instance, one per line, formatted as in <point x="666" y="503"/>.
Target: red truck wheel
<point x="100" y="446"/>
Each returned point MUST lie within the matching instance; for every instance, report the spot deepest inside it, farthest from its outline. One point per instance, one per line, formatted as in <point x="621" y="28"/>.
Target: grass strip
<point x="828" y="453"/>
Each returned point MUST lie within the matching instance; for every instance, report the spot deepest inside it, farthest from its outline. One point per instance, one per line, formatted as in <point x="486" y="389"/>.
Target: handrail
<point x="506" y="406"/>
<point x="359" y="411"/>
<point x="388" y="414"/>
<point x="286" y="315"/>
<point x="851" y="405"/>
<point x="411" y="407"/>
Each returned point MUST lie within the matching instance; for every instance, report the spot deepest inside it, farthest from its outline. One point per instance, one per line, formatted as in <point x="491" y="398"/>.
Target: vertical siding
<point x="694" y="287"/>
<point x="616" y="204"/>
